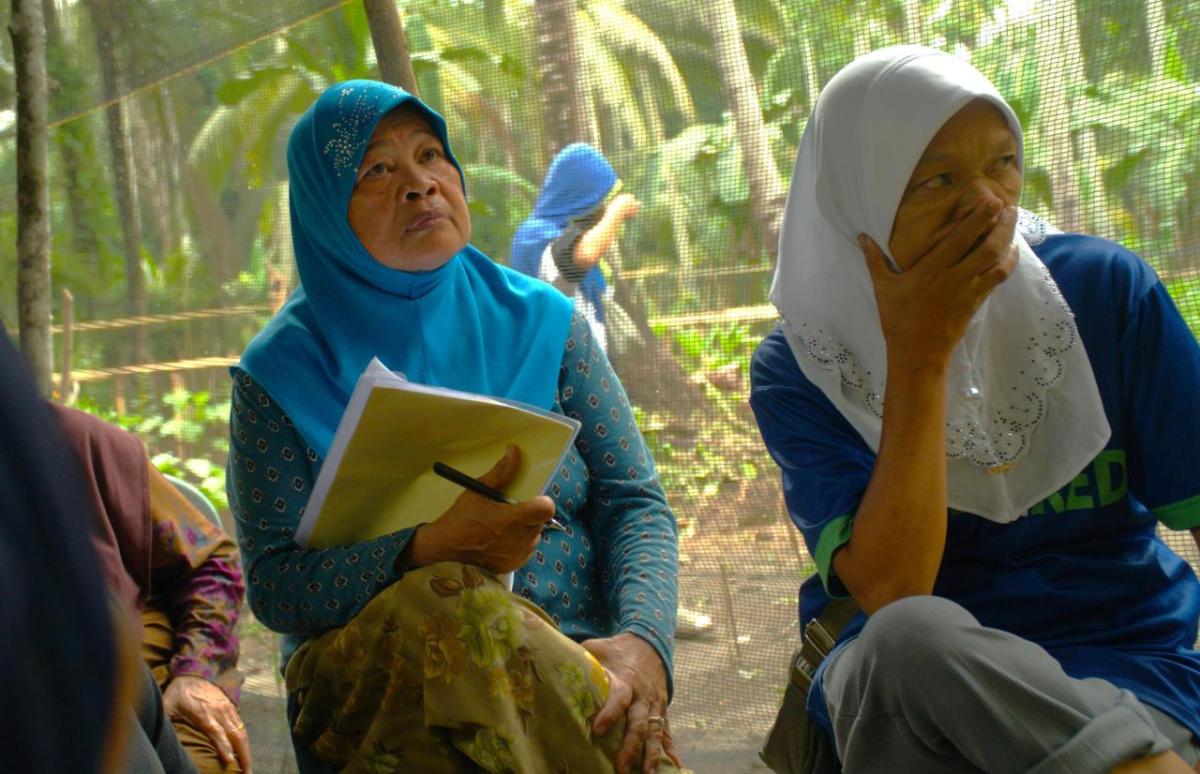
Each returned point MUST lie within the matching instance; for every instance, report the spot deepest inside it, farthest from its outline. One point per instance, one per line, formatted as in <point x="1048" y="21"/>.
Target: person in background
<point x="576" y="220"/>
<point x="407" y="651"/>
<point x="180" y="578"/>
<point x="981" y="424"/>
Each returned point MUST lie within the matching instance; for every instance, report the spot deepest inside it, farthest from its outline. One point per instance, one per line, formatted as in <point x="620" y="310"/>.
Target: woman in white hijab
<point x="980" y="422"/>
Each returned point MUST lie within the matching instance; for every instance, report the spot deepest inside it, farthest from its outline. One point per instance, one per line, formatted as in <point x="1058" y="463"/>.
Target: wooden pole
<point x="727" y="599"/>
<point x="68" y="345"/>
<point x="391" y="44"/>
<point x="33" y="194"/>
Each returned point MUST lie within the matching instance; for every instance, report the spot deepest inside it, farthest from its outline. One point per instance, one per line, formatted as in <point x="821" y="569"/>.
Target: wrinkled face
<point x="408" y="207"/>
<point x="971" y="160"/>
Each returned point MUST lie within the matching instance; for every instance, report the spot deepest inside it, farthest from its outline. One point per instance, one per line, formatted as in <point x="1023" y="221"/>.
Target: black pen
<point x="478" y="487"/>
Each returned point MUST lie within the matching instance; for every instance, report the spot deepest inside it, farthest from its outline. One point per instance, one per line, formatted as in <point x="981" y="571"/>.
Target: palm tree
<point x="76" y="149"/>
<point x="102" y="14"/>
<point x="1156" y="32"/>
<point x="564" y="106"/>
<point x="741" y="95"/>
<point x="1054" y="48"/>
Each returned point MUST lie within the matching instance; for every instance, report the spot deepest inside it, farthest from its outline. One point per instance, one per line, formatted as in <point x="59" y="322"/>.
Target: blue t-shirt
<point x="1084" y="573"/>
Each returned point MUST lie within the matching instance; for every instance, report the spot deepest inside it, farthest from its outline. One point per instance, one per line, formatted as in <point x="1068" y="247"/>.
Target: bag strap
<point x="819" y="638"/>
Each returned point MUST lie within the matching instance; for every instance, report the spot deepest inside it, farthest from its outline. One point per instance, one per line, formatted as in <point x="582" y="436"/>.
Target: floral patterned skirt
<point x="448" y="671"/>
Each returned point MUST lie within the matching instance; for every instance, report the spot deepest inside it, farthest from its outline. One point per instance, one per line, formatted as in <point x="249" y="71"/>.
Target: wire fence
<point x="170" y="121"/>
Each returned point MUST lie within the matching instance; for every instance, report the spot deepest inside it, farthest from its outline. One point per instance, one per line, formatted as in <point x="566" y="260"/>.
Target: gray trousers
<point x="925" y="689"/>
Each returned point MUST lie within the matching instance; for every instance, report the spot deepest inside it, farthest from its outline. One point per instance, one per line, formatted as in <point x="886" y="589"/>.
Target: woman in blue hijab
<point x="406" y="650"/>
<point x="577" y="216"/>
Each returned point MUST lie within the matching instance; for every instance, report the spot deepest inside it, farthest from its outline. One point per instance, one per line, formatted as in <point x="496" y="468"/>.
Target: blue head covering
<point x="470" y="324"/>
<point x="577" y="182"/>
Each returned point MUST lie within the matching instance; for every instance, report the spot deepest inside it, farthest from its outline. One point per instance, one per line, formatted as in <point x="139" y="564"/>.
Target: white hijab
<point x="1024" y="415"/>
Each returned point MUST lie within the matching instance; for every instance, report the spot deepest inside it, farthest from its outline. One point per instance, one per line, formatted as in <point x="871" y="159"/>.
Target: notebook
<point x="378" y="476"/>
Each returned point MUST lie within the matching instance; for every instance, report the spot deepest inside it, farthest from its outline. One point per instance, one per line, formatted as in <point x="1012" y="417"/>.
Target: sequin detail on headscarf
<point x="343" y="145"/>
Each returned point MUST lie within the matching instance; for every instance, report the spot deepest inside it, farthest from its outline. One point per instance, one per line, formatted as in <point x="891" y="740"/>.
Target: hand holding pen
<point x="478" y="487"/>
<point x="477" y="529"/>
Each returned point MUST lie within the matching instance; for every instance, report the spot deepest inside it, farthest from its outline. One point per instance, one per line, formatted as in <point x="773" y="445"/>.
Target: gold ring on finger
<point x="655" y="719"/>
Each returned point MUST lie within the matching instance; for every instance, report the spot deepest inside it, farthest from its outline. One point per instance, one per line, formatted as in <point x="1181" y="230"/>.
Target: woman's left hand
<point x="207" y="708"/>
<point x="639" y="691"/>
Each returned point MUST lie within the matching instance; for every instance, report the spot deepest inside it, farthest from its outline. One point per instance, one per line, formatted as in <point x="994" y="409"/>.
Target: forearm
<point x="204" y="617"/>
<point x="307" y="591"/>
<point x="638" y="544"/>
<point x="592" y="246"/>
<point x="899" y="532"/>
<point x="644" y="601"/>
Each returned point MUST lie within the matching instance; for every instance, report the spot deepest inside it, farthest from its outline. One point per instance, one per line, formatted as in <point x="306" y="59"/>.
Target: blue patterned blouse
<point x="612" y="570"/>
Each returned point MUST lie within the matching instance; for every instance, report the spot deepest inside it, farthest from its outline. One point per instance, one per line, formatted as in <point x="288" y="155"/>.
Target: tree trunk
<point x="1052" y="54"/>
<point x="76" y="148"/>
<point x="812" y="83"/>
<point x="564" y="109"/>
<point x="101" y="13"/>
<point x="33" y="193"/>
<point x="391" y="44"/>
<point x="1156" y="32"/>
<point x="151" y="166"/>
<point x="656" y="378"/>
<point x="1093" y="199"/>
<point x="767" y="193"/>
<point x="914" y="23"/>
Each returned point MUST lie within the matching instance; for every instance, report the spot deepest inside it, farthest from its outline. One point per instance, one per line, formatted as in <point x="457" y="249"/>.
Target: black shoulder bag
<point x="795" y="745"/>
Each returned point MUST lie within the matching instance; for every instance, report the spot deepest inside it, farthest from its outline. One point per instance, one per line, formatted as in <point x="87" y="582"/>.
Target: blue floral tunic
<point x="612" y="570"/>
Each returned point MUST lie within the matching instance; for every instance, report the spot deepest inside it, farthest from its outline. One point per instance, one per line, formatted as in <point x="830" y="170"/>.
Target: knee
<point x="915" y="634"/>
<point x="429" y="587"/>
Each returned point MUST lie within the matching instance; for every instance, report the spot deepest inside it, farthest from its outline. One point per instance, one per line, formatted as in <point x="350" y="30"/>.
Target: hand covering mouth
<point x="423" y="220"/>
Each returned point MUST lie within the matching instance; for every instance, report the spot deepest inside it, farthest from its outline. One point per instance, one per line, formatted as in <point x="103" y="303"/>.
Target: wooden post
<point x="68" y="345"/>
<point x="727" y="598"/>
<point x="33" y="193"/>
<point x="391" y="44"/>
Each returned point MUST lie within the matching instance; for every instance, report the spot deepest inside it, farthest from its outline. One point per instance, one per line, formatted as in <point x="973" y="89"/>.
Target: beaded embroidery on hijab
<point x="1023" y="411"/>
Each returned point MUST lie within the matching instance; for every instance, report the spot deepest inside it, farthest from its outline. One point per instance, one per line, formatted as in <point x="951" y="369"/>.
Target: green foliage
<point x="187" y="422"/>
<point x="208" y="477"/>
<point x="214" y="141"/>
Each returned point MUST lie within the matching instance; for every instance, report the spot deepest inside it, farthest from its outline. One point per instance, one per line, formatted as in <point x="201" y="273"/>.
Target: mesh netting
<point x="170" y="215"/>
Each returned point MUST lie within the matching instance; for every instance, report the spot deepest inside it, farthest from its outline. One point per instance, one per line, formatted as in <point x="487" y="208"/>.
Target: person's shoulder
<point x="1097" y="276"/>
<point x="289" y="336"/>
<point x="82" y="429"/>
<point x="249" y="391"/>
<point x="1091" y="259"/>
<point x="478" y="262"/>
<point x="529" y="289"/>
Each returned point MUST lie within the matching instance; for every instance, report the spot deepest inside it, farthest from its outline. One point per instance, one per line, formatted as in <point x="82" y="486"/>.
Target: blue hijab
<point x="470" y="324"/>
<point x="577" y="182"/>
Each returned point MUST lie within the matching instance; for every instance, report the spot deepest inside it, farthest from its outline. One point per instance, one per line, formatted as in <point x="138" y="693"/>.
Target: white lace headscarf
<point x="1024" y="415"/>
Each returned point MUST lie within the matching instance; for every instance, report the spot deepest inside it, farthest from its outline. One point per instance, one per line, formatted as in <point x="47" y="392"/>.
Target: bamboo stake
<point x="727" y="598"/>
<point x="391" y="44"/>
<point x="68" y="344"/>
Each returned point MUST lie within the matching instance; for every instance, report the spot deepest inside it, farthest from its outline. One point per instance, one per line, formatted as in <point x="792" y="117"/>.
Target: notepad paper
<point x="378" y="476"/>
